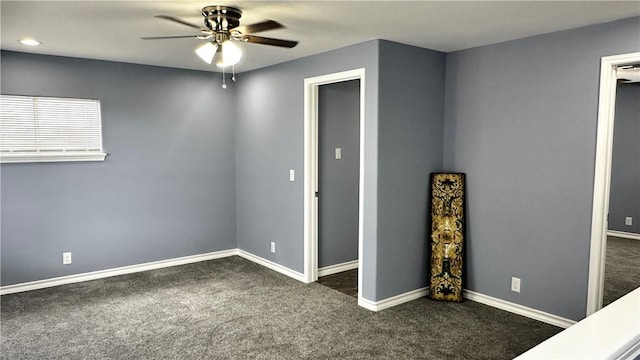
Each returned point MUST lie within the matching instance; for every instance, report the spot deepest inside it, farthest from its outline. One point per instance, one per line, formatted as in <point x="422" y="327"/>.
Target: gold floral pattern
<point x="447" y="235"/>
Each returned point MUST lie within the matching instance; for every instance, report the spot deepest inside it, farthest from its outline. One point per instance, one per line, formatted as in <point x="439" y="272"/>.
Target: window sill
<point x="12" y="158"/>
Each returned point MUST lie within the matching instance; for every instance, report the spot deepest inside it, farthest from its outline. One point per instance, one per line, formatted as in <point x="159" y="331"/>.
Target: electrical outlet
<point x="273" y="247"/>
<point x="628" y="220"/>
<point x="515" y="284"/>
<point x="66" y="258"/>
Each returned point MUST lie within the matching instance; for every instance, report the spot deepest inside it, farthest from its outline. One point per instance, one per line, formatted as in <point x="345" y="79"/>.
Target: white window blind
<point x="34" y="129"/>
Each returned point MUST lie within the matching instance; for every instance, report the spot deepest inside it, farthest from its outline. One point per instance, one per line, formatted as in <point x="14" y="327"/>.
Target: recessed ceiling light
<point x="30" y="42"/>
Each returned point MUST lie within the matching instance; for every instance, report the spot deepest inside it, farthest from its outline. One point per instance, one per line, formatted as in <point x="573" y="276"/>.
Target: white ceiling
<point x="110" y="30"/>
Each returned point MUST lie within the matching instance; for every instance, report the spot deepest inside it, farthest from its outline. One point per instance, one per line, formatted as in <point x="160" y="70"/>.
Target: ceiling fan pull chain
<point x="233" y="73"/>
<point x="224" y="84"/>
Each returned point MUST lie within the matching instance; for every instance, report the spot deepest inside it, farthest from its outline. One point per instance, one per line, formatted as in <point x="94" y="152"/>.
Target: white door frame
<point x="602" y="177"/>
<point x="311" y="171"/>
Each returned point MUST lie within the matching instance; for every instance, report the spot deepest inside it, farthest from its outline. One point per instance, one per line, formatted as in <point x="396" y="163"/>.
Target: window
<point x="42" y="129"/>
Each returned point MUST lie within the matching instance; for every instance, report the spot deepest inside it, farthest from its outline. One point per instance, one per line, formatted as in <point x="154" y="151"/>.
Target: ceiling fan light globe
<point x="230" y="54"/>
<point x="207" y="52"/>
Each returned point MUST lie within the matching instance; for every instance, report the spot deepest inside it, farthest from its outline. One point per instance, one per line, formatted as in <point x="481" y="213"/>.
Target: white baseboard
<point x="365" y="303"/>
<point x="70" y="279"/>
<point x="271" y="265"/>
<point x="337" y="268"/>
<point x="473" y="296"/>
<point x="518" y="309"/>
<point x="622" y="234"/>
<point x="394" y="300"/>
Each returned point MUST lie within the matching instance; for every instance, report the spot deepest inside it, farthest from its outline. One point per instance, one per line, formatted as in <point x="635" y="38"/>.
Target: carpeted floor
<point x="231" y="308"/>
<point x="622" y="269"/>
<point x="346" y="282"/>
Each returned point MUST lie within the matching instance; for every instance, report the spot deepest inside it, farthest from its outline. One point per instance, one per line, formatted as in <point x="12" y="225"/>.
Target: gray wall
<point x="166" y="190"/>
<point x="404" y="100"/>
<point x="521" y="122"/>
<point x="625" y="168"/>
<point x="519" y="119"/>
<point x="411" y="113"/>
<point x="338" y="127"/>
<point x="269" y="142"/>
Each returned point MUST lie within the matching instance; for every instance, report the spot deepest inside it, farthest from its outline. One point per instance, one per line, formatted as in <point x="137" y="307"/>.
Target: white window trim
<point x="54" y="156"/>
<point x="12" y="158"/>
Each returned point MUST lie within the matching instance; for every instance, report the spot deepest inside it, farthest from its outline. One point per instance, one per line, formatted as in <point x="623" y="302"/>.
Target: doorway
<point x="312" y="184"/>
<point x="338" y="172"/>
<point x="622" y="265"/>
<point x="602" y="177"/>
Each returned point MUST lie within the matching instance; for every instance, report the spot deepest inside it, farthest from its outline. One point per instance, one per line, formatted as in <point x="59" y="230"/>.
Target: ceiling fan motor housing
<point x="221" y="18"/>
<point x="222" y="23"/>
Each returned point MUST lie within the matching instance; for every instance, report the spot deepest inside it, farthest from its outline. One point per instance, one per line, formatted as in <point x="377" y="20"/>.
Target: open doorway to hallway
<point x="348" y="153"/>
<point x="609" y="71"/>
<point x="338" y="153"/>
<point x="622" y="265"/>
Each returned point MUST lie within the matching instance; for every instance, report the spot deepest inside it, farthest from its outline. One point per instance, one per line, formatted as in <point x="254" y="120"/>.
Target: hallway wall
<point x="521" y="122"/>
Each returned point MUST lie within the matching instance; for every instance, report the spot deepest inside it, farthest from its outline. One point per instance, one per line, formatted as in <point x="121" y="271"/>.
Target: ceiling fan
<point x="222" y="28"/>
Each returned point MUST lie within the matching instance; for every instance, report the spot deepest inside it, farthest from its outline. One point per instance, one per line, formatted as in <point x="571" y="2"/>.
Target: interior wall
<point x="521" y="122"/>
<point x="411" y="125"/>
<point x="166" y="190"/>
<point x="403" y="135"/>
<point x="338" y="127"/>
<point x="624" y="199"/>
<point x="270" y="142"/>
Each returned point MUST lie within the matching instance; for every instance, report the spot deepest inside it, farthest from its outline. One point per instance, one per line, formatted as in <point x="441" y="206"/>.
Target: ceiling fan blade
<point x="269" y="41"/>
<point x="168" y="37"/>
<point x="258" y="27"/>
<point x="179" y="21"/>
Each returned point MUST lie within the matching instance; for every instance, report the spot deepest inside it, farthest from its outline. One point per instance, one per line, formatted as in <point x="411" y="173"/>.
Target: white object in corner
<point x="611" y="333"/>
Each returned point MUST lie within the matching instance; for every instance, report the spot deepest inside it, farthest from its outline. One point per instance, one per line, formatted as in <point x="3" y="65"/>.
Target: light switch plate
<point x="292" y="175"/>
<point x="338" y="153"/>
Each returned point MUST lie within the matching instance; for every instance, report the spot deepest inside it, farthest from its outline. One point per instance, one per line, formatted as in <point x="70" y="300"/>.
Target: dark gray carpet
<point x="346" y="282"/>
<point x="234" y="309"/>
<point x="622" y="268"/>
